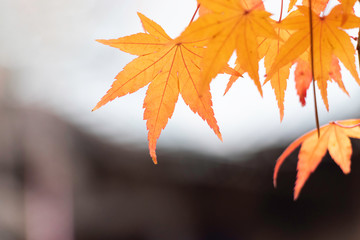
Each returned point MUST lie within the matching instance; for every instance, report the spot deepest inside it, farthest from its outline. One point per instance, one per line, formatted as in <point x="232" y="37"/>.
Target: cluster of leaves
<point x="186" y="65"/>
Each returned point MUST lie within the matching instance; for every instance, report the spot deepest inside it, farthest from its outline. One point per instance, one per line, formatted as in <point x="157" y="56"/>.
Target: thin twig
<point x="197" y="9"/>
<point x="281" y="11"/>
<point x="312" y="68"/>
<point x="358" y="44"/>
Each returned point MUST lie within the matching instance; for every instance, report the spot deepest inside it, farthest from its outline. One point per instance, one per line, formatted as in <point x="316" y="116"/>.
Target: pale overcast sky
<point x="50" y="49"/>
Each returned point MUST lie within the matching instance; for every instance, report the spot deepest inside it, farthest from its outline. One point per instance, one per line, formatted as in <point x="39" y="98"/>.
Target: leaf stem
<point x="312" y="67"/>
<point x="197" y="9"/>
<point x="358" y="46"/>
<point x="281" y="10"/>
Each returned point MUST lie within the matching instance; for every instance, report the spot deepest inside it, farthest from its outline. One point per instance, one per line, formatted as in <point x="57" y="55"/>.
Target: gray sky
<point x="49" y="47"/>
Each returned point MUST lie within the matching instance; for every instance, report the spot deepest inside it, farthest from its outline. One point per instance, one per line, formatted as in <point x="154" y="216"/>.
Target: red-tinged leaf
<point x="333" y="137"/>
<point x="303" y="79"/>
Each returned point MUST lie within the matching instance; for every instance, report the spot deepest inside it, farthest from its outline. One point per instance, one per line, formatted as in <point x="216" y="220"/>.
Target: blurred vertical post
<point x="11" y="184"/>
<point x="48" y="179"/>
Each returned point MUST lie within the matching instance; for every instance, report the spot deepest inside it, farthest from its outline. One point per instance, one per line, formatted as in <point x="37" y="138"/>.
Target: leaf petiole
<point x="197" y="9"/>
<point x="312" y="68"/>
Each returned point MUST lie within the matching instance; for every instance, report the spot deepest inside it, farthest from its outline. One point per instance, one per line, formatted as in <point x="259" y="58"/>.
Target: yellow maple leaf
<point x="172" y="67"/>
<point x="317" y="6"/>
<point x="269" y="48"/>
<point x="229" y="26"/>
<point x="329" y="39"/>
<point x="347" y="8"/>
<point x="278" y="80"/>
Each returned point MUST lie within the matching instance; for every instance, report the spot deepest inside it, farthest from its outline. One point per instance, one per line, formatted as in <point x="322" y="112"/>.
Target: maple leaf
<point x="172" y="67"/>
<point x="269" y="48"/>
<point x="303" y="77"/>
<point x="248" y="4"/>
<point x="231" y="26"/>
<point x="234" y="78"/>
<point x="317" y="6"/>
<point x="202" y="10"/>
<point x="347" y="8"/>
<point x="333" y="137"/>
<point x="329" y="39"/>
<point x="278" y="80"/>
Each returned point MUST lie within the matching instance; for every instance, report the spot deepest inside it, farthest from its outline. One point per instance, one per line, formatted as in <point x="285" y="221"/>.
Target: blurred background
<point x="68" y="173"/>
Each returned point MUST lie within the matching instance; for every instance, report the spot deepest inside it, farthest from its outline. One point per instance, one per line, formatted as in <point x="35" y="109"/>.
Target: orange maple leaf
<point x="333" y="137"/>
<point x="347" y="8"/>
<point x="329" y="39"/>
<point x="318" y="6"/>
<point x="172" y="67"/>
<point x="269" y="48"/>
<point x="229" y="26"/>
<point x="278" y="80"/>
